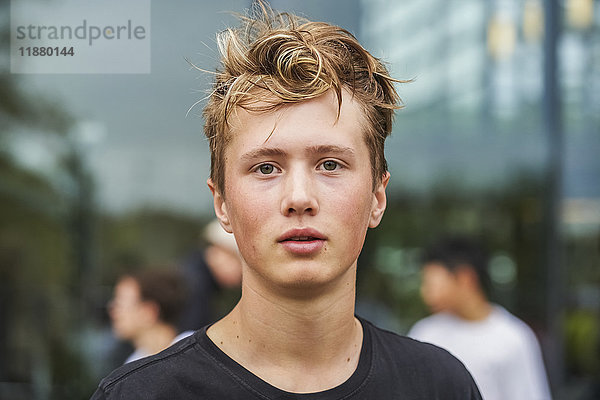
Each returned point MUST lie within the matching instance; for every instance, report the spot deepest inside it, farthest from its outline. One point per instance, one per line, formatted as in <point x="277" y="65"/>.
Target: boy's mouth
<point x="301" y="239"/>
<point x="301" y="235"/>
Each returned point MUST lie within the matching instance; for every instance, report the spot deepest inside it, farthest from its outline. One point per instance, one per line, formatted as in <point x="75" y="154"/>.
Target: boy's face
<point x="299" y="195"/>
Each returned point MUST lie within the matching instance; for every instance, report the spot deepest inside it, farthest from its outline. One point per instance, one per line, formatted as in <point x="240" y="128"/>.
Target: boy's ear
<point x="379" y="201"/>
<point x="220" y="207"/>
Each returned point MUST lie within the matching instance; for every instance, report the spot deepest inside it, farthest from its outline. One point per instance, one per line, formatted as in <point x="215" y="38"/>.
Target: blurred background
<point x="499" y="138"/>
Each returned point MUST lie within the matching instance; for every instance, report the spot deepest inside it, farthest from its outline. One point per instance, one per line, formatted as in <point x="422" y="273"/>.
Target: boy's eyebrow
<point x="276" y="152"/>
<point x="263" y="152"/>
<point x="331" y="149"/>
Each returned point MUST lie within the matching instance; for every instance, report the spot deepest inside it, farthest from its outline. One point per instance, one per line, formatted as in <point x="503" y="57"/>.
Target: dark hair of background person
<point x="455" y="252"/>
<point x="165" y="287"/>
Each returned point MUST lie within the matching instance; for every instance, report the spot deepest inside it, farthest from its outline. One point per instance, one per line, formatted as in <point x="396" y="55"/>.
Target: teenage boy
<point x="296" y="124"/>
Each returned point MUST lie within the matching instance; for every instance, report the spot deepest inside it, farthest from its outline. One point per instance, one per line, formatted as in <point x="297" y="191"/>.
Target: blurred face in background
<point x="225" y="265"/>
<point x="439" y="287"/>
<point x="129" y="313"/>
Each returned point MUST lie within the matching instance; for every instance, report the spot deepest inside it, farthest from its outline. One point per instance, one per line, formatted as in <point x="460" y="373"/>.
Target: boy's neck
<point x="300" y="345"/>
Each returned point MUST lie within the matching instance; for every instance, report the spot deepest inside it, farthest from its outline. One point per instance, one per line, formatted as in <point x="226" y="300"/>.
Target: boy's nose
<point x="299" y="195"/>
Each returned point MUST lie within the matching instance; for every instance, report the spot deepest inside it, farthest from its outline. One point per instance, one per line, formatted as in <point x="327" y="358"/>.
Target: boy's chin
<point x="307" y="283"/>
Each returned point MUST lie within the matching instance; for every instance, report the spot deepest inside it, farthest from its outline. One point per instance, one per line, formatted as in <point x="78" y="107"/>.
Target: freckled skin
<point x="299" y="191"/>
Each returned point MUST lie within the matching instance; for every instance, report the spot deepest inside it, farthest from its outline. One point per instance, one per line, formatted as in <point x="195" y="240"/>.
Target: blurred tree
<point x="38" y="270"/>
<point x="145" y="237"/>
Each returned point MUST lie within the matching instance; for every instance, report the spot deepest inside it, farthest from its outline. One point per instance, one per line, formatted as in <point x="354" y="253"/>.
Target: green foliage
<point x="35" y="272"/>
<point x="582" y="331"/>
<point x="38" y="270"/>
<point x="144" y="238"/>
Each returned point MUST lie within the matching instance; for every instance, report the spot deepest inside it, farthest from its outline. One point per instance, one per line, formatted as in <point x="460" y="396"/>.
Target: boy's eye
<point x="266" y="169"/>
<point x="330" y="165"/>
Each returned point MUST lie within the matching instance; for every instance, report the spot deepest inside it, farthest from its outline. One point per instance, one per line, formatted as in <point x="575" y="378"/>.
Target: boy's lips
<point x="302" y="241"/>
<point x="301" y="234"/>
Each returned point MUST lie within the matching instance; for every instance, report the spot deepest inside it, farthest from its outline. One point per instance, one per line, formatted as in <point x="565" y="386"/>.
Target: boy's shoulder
<point x="411" y="349"/>
<point x="414" y="363"/>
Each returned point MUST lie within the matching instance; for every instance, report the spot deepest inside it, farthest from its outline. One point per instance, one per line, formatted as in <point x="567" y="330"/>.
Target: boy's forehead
<point x="325" y="109"/>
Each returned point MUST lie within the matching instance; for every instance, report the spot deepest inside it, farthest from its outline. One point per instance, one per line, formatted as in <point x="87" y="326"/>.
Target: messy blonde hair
<point x="274" y="59"/>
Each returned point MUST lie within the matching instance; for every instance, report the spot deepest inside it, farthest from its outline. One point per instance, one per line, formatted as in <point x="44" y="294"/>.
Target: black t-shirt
<point x="390" y="367"/>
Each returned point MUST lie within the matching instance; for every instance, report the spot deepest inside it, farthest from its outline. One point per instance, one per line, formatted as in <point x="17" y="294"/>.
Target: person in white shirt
<point x="145" y="309"/>
<point x="501" y="351"/>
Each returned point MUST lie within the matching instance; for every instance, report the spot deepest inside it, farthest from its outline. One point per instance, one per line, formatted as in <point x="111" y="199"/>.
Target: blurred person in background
<point x="501" y="351"/>
<point x="145" y="309"/>
<point x="207" y="272"/>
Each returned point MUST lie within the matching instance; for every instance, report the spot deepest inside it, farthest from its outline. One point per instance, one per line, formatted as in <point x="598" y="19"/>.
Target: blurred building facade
<point x="478" y="70"/>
